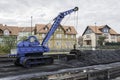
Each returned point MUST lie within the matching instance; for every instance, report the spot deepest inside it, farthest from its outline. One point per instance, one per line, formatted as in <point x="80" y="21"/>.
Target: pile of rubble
<point x="96" y="57"/>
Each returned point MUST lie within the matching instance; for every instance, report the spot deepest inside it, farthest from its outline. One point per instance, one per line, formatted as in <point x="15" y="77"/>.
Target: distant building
<point x="92" y="33"/>
<point x="25" y="31"/>
<point x="6" y="31"/>
<point x="63" y="38"/>
<point x="118" y="38"/>
<point x="16" y="31"/>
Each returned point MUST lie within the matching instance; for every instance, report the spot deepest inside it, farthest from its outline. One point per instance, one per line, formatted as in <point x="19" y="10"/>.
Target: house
<point x="63" y="38"/>
<point x="25" y="31"/>
<point x="6" y="31"/>
<point x="16" y="31"/>
<point x="118" y="38"/>
<point x="92" y="34"/>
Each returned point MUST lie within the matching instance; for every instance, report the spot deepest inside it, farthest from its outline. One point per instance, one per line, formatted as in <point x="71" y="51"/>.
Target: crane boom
<point x="30" y="53"/>
<point x="56" y="23"/>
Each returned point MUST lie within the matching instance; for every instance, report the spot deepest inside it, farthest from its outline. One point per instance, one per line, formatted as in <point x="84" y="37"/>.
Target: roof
<point x="72" y="30"/>
<point x="97" y="29"/>
<point x="12" y="29"/>
<point x="26" y="29"/>
<point x="2" y="27"/>
<point x="40" y="28"/>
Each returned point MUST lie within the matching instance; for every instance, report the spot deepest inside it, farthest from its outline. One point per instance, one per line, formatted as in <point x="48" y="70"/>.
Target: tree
<point x="101" y="40"/>
<point x="23" y="38"/>
<point x="8" y="42"/>
<point x="80" y="40"/>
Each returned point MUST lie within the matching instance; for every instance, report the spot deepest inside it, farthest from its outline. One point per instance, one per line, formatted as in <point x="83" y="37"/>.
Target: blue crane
<point x="30" y="51"/>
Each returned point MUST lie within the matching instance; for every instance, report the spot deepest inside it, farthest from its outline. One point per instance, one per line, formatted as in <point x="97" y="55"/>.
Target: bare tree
<point x="80" y="40"/>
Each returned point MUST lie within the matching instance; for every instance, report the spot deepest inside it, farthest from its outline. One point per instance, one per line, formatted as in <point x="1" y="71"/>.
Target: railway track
<point x="57" y="71"/>
<point x="7" y="68"/>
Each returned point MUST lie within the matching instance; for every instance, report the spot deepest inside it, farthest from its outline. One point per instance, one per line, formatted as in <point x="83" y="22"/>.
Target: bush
<point x="4" y="49"/>
<point x="112" y="43"/>
<point x="7" y="43"/>
<point x="109" y="47"/>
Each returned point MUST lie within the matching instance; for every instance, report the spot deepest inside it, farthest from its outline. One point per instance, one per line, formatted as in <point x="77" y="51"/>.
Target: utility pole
<point x="95" y="36"/>
<point x="31" y="25"/>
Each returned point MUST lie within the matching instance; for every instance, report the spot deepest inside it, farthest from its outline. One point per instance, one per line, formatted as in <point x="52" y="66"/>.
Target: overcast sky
<point x="101" y="12"/>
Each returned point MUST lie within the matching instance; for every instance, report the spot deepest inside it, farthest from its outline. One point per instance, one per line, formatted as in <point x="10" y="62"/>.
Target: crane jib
<point x="56" y="23"/>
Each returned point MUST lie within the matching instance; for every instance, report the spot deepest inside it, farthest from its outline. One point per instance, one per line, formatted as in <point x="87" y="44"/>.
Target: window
<point x="72" y="36"/>
<point x="59" y="35"/>
<point x="43" y="35"/>
<point x="68" y="29"/>
<point x="106" y="35"/>
<point x="58" y="43"/>
<point x="112" y="36"/>
<point x="87" y="36"/>
<point x="66" y="36"/>
<point x="105" y="30"/>
<point x="68" y="44"/>
<point x="6" y="32"/>
<point x="46" y="28"/>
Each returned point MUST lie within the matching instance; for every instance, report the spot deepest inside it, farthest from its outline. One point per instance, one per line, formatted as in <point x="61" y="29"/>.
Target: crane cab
<point x="30" y="52"/>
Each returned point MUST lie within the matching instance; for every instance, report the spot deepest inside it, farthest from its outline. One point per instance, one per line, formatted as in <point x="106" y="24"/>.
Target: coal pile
<point x="90" y="57"/>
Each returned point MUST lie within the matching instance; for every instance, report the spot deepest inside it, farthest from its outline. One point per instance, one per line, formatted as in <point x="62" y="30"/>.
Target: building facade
<point x="92" y="33"/>
<point x="25" y="32"/>
<point x="63" y="38"/>
<point x="6" y="31"/>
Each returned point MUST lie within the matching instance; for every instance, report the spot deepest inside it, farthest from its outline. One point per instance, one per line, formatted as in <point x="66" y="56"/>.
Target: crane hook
<point x="76" y="9"/>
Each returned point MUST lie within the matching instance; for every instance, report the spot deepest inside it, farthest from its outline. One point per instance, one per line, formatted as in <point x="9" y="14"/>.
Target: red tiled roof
<point x="72" y="30"/>
<point x="26" y="29"/>
<point x="97" y="29"/>
<point x="40" y="28"/>
<point x="12" y="29"/>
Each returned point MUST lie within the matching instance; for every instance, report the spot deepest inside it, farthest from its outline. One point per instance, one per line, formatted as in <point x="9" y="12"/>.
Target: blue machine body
<point x="29" y="47"/>
<point x="32" y="46"/>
